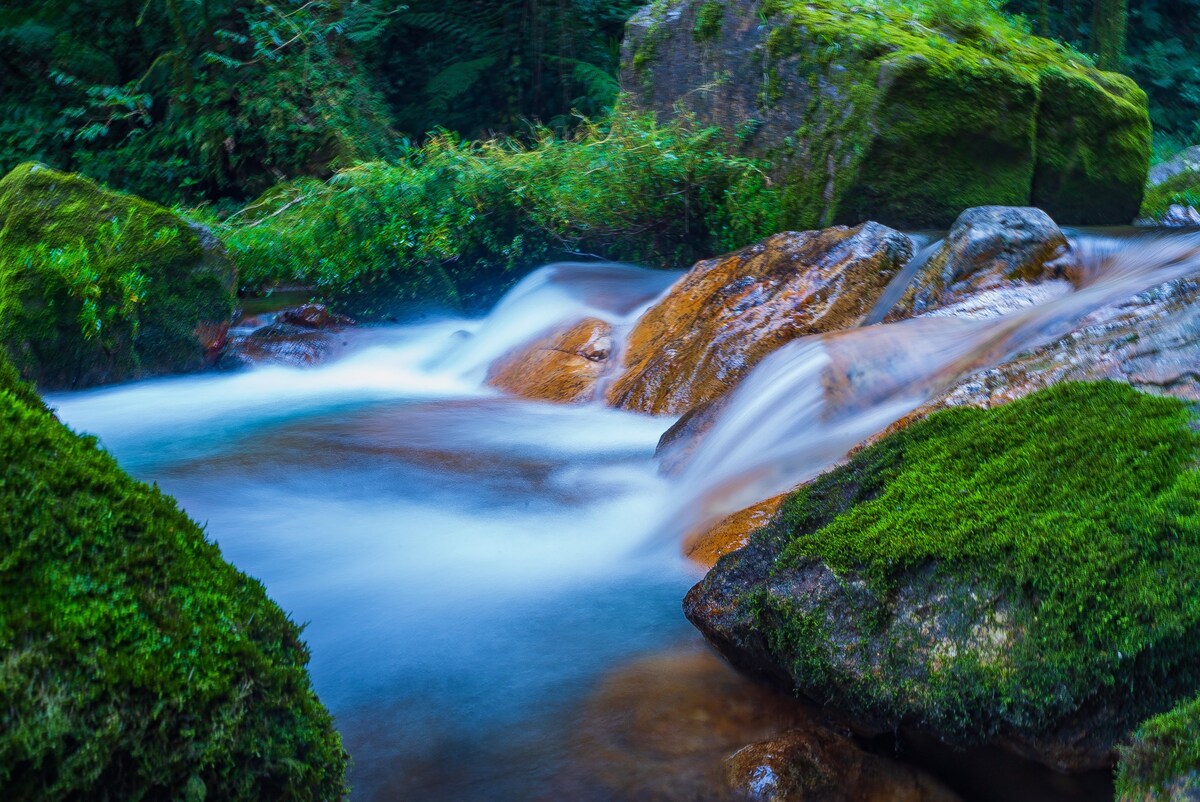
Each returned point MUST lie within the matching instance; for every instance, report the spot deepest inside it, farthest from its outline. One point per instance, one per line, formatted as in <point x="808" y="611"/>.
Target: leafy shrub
<point x="1183" y="188"/>
<point x="456" y="221"/>
<point x="136" y="663"/>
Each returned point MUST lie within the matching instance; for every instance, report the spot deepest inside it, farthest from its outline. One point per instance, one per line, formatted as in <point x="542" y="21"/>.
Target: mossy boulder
<point x="136" y="663"/>
<point x="1179" y="190"/>
<point x="1161" y="763"/>
<point x="98" y="286"/>
<point x="1024" y="576"/>
<point x="878" y="112"/>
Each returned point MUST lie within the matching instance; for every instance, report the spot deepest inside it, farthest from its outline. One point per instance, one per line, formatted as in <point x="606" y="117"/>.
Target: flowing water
<point x="471" y="567"/>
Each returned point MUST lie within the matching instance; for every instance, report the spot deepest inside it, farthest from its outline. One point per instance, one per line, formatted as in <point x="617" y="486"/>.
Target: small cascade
<point x="810" y="402"/>
<point x="926" y="247"/>
<point x="553" y="296"/>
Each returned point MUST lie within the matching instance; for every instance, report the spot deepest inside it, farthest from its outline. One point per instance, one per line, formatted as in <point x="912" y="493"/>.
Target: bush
<point x="455" y="222"/>
<point x="137" y="664"/>
<point x="1183" y="189"/>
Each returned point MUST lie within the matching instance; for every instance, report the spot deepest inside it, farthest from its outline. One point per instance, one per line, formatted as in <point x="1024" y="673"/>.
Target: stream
<point x="472" y="567"/>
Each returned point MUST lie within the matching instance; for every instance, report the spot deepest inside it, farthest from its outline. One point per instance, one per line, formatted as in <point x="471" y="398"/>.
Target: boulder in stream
<point x="564" y="365"/>
<point x="98" y="286"/>
<point x="726" y="314"/>
<point x="988" y="248"/>
<point x="896" y="115"/>
<point x="1020" y="576"/>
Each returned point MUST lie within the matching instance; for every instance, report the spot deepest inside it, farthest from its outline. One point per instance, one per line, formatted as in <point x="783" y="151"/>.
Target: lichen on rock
<point x="98" y="286"/>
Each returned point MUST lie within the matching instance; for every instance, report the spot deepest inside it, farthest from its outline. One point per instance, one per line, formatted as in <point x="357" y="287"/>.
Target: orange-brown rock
<point x="817" y="765"/>
<point x="988" y="247"/>
<point x="731" y="534"/>
<point x="564" y="365"/>
<point x="661" y="728"/>
<point x="726" y="314"/>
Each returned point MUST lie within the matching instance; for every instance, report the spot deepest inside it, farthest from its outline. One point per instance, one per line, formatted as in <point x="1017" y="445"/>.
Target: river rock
<point x="730" y="534"/>
<point x="726" y="314"/>
<point x="1180" y="216"/>
<point x="880" y="116"/>
<point x="278" y="343"/>
<point x="99" y="286"/>
<point x="314" y="316"/>
<point x="661" y="729"/>
<point x="988" y="248"/>
<point x="564" y="365"/>
<point x="1186" y="160"/>
<point x="953" y="647"/>
<point x="816" y="765"/>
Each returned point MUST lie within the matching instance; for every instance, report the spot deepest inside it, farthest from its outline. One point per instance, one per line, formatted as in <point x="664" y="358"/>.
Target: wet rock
<point x="564" y="365"/>
<point x="662" y="728"/>
<point x="819" y="766"/>
<point x="1186" y="161"/>
<point x="932" y="646"/>
<point x="989" y="248"/>
<point x="1180" y="216"/>
<point x="314" y="316"/>
<point x="726" y="314"/>
<point x="280" y="344"/>
<point x="927" y="121"/>
<point x="731" y="534"/>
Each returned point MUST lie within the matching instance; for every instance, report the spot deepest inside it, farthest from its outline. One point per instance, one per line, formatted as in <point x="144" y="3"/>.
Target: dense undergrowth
<point x="1180" y="189"/>
<point x="136" y="663"/>
<point x="1162" y="761"/>
<point x="456" y="221"/>
<point x="1079" y="506"/>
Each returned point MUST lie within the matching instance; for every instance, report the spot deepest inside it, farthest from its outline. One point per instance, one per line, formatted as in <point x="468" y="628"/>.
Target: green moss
<point x="1162" y="762"/>
<point x="99" y="286"/>
<point x="913" y="111"/>
<point x="1070" y="519"/>
<point x="1183" y="188"/>
<point x="709" y="19"/>
<point x="1093" y="147"/>
<point x="134" y="662"/>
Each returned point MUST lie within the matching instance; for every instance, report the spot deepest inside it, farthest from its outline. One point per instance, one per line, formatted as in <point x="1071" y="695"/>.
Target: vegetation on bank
<point x="1162" y="760"/>
<point x="1183" y="189"/>
<point x="98" y="286"/>
<point x="1072" y="515"/>
<point x="137" y="664"/>
<point x="454" y="221"/>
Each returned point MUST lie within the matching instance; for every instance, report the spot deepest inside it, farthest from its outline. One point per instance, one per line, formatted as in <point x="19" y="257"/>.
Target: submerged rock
<point x="98" y="286"/>
<point x="993" y="576"/>
<point x="564" y="365"/>
<point x="314" y="316"/>
<point x="988" y="248"/>
<point x="882" y="116"/>
<point x="726" y="314"/>
<point x="664" y="728"/>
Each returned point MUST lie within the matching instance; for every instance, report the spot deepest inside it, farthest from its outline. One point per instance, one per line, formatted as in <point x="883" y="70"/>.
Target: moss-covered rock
<point x="98" y="286"/>
<point x="877" y="112"/>
<point x="1162" y="761"/>
<point x="1023" y="575"/>
<point x="1181" y="189"/>
<point x="134" y="662"/>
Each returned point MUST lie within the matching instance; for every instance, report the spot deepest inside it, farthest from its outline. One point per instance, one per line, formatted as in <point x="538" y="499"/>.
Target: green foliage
<point x="1163" y="759"/>
<point x="1079" y="505"/>
<point x="455" y="222"/>
<point x="1183" y="188"/>
<point x="175" y="99"/>
<point x="481" y="66"/>
<point x="1162" y="53"/>
<point x="99" y="286"/>
<point x="136" y="663"/>
<point x="709" y="20"/>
